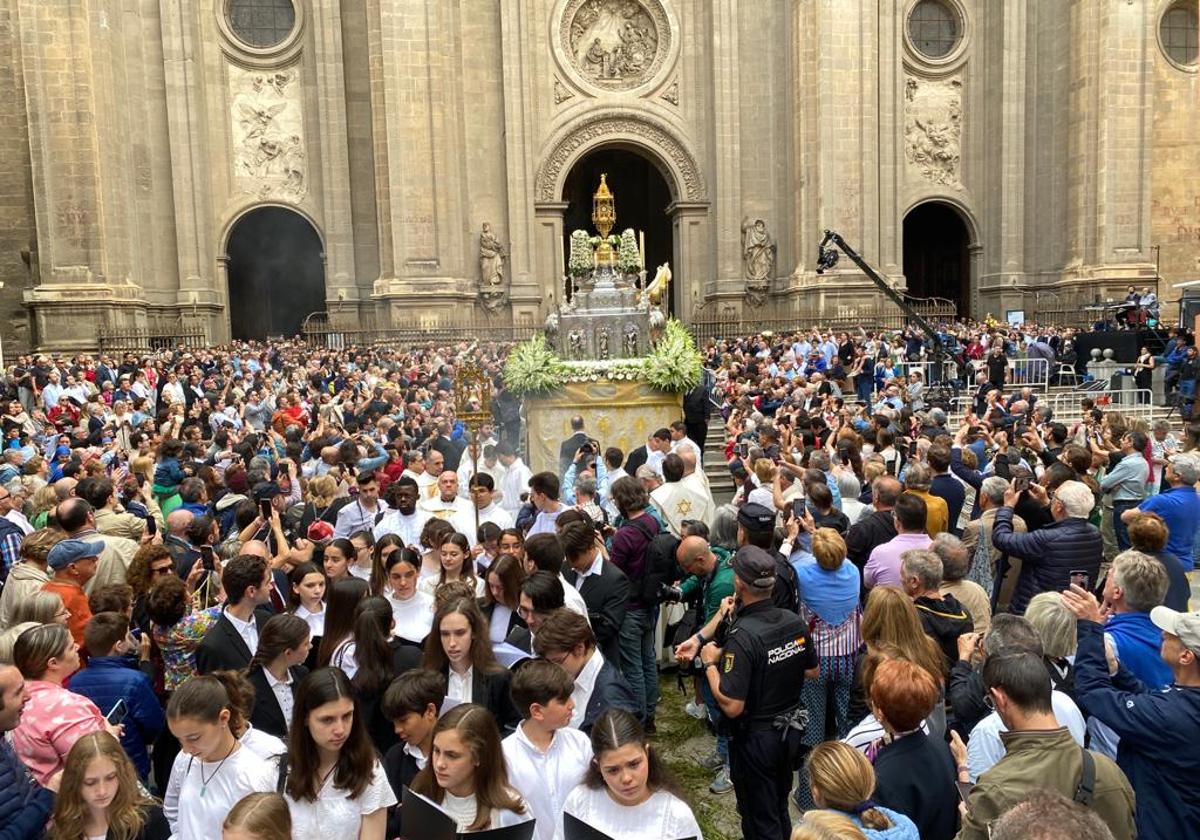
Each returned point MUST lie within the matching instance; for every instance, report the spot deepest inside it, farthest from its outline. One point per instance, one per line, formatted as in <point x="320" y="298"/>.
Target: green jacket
<point x="1050" y="761"/>
<point x="719" y="587"/>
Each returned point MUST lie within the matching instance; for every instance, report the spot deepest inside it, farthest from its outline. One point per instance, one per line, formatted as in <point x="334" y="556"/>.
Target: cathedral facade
<point x="237" y="166"/>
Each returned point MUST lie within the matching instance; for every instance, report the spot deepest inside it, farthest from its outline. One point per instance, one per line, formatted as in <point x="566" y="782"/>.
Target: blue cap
<point x="65" y="553"/>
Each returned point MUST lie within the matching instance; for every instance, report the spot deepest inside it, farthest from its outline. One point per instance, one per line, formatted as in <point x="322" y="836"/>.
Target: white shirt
<point x="585" y="683"/>
<point x="196" y="810"/>
<point x="661" y="817"/>
<point x="498" y="626"/>
<point x="413" y="617"/>
<point x="17" y="518"/>
<point x="417" y="756"/>
<point x="593" y="569"/>
<point x="458" y="686"/>
<point x="545" y="779"/>
<point x="462" y="810"/>
<point x="985" y="749"/>
<point x="572" y="600"/>
<point x="687" y="443"/>
<point x="283" y="694"/>
<point x="407" y="528"/>
<point x="654" y="460"/>
<point x="358" y="517"/>
<point x="335" y="814"/>
<point x="315" y="620"/>
<point x="248" y="630"/>
<point x="343" y="657"/>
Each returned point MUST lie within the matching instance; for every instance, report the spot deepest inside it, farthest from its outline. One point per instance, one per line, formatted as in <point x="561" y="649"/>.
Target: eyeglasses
<point x="162" y="570"/>
<point x="558" y="659"/>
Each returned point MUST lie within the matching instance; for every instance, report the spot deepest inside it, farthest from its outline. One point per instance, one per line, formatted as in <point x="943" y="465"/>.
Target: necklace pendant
<point x="203" y="790"/>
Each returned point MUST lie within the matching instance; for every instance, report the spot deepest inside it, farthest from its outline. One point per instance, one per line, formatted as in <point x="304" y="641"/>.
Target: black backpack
<point x="659" y="567"/>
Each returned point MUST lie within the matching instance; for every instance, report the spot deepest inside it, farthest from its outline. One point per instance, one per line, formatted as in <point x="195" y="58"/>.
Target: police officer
<point x="756" y="526"/>
<point x="756" y="678"/>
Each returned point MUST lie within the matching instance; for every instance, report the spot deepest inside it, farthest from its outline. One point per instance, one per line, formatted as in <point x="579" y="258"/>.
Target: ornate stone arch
<point x="664" y="147"/>
<point x="230" y="219"/>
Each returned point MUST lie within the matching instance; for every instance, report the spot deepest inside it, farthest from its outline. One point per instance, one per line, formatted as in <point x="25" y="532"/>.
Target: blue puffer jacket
<point x="107" y="679"/>
<point x="902" y="827"/>
<point x="1048" y="555"/>
<point x="25" y="806"/>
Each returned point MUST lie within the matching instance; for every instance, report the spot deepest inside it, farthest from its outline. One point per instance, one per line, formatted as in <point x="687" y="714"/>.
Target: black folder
<point x="576" y="829"/>
<point x="422" y="819"/>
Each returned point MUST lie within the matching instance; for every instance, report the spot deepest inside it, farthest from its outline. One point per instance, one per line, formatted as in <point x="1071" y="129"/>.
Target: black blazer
<point x="567" y="450"/>
<point x="491" y="692"/>
<point x="405" y="657"/>
<point x="223" y="648"/>
<point x="610" y="691"/>
<point x="266" y="714"/>
<point x="401" y="768"/>
<point x="606" y="596"/>
<point x="515" y="621"/>
<point x="521" y="638"/>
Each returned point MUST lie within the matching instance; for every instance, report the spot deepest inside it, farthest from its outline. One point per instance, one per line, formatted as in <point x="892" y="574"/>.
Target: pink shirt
<point x="53" y="720"/>
<point x="883" y="566"/>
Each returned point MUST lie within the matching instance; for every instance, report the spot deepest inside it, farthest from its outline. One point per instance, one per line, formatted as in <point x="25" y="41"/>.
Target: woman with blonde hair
<point x="100" y="796"/>
<point x="43" y="501"/>
<point x="1055" y="625"/>
<point x="891" y="619"/>
<point x="842" y="780"/>
<point x="258" y="816"/>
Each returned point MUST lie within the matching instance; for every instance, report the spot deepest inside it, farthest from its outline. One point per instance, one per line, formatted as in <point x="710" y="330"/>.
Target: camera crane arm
<point x="827" y="258"/>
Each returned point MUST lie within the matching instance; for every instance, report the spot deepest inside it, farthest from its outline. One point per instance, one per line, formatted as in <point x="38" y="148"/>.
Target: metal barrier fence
<point x="144" y="339"/>
<point x="1034" y="373"/>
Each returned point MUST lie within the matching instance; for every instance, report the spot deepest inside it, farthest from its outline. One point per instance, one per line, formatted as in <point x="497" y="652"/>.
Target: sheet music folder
<point x="576" y="829"/>
<point x="422" y="819"/>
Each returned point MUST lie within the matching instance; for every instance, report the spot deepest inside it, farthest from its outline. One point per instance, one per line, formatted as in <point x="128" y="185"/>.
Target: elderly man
<point x="955" y="562"/>
<point x="1155" y="727"/>
<point x="1179" y="507"/>
<point x="942" y="616"/>
<point x="985" y="557"/>
<point x="25" y="806"/>
<point x="877" y="527"/>
<point x="1126" y="480"/>
<point x="1070" y="549"/>
<point x="884" y="566"/>
<point x="677" y="501"/>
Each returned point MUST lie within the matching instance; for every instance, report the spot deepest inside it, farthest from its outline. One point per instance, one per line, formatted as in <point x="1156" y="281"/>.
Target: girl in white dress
<point x="362" y="565"/>
<point x="335" y="785"/>
<point x="411" y="608"/>
<point x="214" y="770"/>
<point x="628" y="792"/>
<point x="466" y="774"/>
<point x="457" y="564"/>
<point x="307" y="599"/>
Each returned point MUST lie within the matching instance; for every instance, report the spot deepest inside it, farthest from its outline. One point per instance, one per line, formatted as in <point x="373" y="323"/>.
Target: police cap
<point x="755" y="567"/>
<point x="755" y="517"/>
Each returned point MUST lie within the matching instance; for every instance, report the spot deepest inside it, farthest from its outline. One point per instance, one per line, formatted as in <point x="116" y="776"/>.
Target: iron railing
<point x="848" y="318"/>
<point x="150" y="338"/>
<point x="318" y="332"/>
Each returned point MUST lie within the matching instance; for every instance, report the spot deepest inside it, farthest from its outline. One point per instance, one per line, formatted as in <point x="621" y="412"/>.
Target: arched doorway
<point x="276" y="273"/>
<point x="936" y="254"/>
<point x="642" y="197"/>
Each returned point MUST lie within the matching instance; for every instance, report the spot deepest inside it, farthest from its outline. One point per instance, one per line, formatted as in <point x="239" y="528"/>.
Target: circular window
<point x="261" y="23"/>
<point x="933" y="29"/>
<point x="1178" y="33"/>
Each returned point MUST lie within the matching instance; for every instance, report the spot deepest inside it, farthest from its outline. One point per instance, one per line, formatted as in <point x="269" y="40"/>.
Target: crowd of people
<point x="263" y="591"/>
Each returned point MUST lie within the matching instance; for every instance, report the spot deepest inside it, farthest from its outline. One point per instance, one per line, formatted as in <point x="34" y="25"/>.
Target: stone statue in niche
<point x="602" y="344"/>
<point x="933" y="128"/>
<point x="268" y="133"/>
<point x="758" y="259"/>
<point x="575" y="344"/>
<point x="615" y="43"/>
<point x="631" y="341"/>
<point x="491" y="269"/>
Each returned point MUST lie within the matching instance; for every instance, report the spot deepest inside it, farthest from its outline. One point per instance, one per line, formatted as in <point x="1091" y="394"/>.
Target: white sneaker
<point x="697" y="710"/>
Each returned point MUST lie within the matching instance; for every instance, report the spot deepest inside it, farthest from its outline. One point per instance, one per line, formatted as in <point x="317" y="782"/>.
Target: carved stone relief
<point x="671" y="94"/>
<point x="268" y="132"/>
<point x="600" y="128"/>
<point x="561" y="92"/>
<point x="933" y="128"/>
<point x="615" y="44"/>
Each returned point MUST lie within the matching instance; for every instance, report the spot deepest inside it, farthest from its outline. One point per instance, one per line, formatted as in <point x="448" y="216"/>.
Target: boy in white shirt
<point x="546" y="758"/>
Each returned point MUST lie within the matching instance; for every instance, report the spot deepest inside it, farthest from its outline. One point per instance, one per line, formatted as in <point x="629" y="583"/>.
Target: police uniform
<point x="765" y="655"/>
<point x="761" y="519"/>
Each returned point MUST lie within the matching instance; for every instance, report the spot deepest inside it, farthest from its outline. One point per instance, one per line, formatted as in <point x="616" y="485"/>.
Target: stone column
<point x="341" y="281"/>
<point x="726" y="145"/>
<point x="1111" y="117"/>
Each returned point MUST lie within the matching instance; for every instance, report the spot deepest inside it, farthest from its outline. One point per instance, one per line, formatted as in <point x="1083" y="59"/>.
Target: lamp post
<point x="473" y="406"/>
